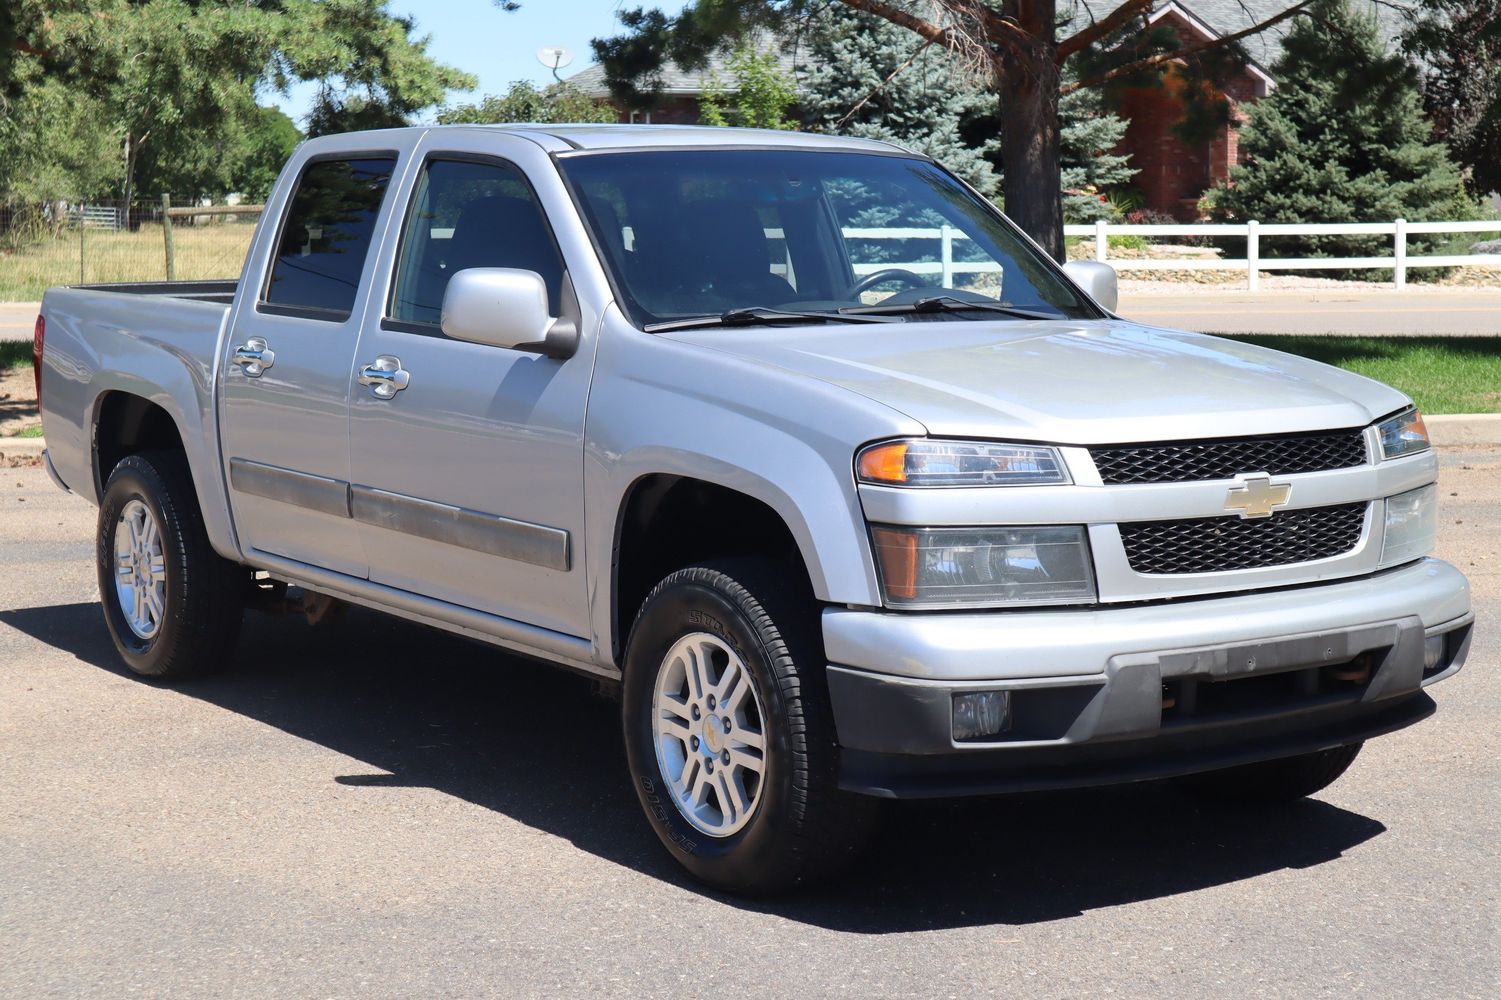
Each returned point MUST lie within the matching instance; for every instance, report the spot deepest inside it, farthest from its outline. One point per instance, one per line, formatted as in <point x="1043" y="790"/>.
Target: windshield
<point x="704" y="233"/>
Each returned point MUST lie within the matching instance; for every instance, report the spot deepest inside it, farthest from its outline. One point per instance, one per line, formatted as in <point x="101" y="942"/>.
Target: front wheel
<point x="728" y="734"/>
<point x="1275" y="780"/>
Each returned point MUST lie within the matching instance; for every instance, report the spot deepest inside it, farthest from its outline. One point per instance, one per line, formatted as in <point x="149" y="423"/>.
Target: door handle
<point x="385" y="377"/>
<point x="253" y="357"/>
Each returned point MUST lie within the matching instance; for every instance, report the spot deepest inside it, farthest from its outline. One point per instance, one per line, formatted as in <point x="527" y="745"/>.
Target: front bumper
<point x="1122" y="694"/>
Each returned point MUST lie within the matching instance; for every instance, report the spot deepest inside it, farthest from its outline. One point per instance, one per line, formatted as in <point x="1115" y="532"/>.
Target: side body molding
<point x="522" y="541"/>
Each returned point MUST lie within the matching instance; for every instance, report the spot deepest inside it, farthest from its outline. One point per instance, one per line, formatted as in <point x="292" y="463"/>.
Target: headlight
<point x="1411" y="523"/>
<point x="1404" y="434"/>
<point x="970" y="567"/>
<point x="959" y="463"/>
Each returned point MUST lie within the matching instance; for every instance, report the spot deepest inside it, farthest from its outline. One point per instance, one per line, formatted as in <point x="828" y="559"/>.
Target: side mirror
<point x="1097" y="278"/>
<point x="505" y="307"/>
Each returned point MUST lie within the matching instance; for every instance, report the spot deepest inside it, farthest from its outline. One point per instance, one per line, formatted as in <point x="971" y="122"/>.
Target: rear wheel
<point x="728" y="734"/>
<point x="1275" y="780"/>
<point x="173" y="605"/>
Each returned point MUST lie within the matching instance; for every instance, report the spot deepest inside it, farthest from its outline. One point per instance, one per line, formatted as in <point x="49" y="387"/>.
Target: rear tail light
<point x="39" y="334"/>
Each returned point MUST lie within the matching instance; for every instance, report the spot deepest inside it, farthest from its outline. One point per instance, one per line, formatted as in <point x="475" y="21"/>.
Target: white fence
<point x="1255" y="261"/>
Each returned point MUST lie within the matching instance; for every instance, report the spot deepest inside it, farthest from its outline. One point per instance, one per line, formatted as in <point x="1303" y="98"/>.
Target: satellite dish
<point x="554" y="57"/>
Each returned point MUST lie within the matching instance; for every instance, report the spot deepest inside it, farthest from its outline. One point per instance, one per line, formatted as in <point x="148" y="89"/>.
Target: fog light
<point x="978" y="714"/>
<point x="1433" y="657"/>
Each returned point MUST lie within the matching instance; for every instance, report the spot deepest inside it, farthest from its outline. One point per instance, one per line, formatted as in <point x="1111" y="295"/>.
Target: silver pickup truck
<point x="795" y="442"/>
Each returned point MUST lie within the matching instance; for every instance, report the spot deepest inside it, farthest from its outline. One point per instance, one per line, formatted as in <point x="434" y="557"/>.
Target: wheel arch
<point x="666" y="521"/>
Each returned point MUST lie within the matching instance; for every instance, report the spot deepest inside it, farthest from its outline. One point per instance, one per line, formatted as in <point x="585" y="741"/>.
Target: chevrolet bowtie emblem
<point x="1257" y="496"/>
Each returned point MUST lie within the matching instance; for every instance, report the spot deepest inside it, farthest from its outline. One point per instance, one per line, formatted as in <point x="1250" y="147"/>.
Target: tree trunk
<point x="131" y="148"/>
<point x="1032" y="181"/>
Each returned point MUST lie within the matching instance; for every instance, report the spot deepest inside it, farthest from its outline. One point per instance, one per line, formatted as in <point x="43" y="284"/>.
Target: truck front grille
<point x="1188" y="461"/>
<point x="1222" y="544"/>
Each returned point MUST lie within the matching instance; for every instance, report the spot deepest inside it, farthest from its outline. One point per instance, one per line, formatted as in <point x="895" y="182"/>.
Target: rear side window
<point x="465" y="214"/>
<point x="326" y="237"/>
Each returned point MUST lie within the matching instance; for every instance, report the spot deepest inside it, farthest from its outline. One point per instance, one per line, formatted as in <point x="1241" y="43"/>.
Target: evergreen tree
<point x="1087" y="134"/>
<point x="1341" y="139"/>
<point x="928" y="105"/>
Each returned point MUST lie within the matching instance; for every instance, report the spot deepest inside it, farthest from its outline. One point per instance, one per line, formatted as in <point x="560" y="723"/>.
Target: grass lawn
<point x="1441" y="374"/>
<point x="204" y="251"/>
<point x="14" y="353"/>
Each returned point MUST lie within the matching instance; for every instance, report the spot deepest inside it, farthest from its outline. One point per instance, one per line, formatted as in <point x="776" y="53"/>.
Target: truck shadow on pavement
<point x="426" y="709"/>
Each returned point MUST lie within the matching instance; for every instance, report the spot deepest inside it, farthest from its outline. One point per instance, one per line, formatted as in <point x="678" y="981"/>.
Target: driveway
<point x="372" y="809"/>
<point x="18" y="320"/>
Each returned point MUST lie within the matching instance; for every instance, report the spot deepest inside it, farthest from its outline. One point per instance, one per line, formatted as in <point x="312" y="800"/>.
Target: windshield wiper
<point x="751" y="315"/>
<point x="946" y="303"/>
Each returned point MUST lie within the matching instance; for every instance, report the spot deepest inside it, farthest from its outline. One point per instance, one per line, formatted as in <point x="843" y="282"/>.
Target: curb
<point x="1460" y="430"/>
<point x="22" y="447"/>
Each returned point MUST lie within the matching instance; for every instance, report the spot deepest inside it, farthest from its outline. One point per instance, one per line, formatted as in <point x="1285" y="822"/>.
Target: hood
<point x="1067" y="381"/>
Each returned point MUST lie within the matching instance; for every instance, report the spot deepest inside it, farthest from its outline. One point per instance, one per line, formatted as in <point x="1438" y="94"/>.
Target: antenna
<point x="554" y="57"/>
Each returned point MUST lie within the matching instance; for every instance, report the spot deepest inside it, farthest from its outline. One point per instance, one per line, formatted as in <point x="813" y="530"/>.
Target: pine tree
<point x="1088" y="133"/>
<point x="926" y="106"/>
<point x="1342" y="139"/>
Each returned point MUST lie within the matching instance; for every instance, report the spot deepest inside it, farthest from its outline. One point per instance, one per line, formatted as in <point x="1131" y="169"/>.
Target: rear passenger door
<point x="468" y="481"/>
<point x="285" y="375"/>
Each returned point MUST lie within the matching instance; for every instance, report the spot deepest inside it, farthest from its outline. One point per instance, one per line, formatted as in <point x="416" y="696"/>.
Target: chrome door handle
<point x="385" y="377"/>
<point x="254" y="357"/>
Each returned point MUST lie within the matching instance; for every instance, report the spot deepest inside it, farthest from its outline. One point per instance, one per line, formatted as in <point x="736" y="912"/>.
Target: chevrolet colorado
<point x="793" y="440"/>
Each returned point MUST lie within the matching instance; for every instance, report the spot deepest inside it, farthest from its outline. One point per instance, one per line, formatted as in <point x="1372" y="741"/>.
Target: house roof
<point x="1226" y="17"/>
<point x="679" y="81"/>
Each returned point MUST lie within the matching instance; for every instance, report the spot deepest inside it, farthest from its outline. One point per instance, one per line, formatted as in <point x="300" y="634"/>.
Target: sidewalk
<point x="18" y="320"/>
<point x="1375" y="312"/>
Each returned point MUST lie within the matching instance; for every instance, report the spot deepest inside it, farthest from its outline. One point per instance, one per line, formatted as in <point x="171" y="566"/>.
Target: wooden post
<point x="83" y="227"/>
<point x="167" y="237"/>
<point x="1253" y="255"/>
<point x="1101" y="241"/>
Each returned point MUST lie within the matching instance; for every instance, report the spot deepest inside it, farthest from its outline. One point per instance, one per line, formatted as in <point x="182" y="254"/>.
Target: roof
<point x="682" y="82"/>
<point x="588" y="136"/>
<point x="1226" y="17"/>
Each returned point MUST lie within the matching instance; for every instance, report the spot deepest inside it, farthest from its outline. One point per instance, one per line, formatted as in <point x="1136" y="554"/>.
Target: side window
<point x="469" y="214"/>
<point x="326" y="235"/>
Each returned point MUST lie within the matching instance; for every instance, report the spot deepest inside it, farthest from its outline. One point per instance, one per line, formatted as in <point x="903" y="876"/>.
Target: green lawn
<point x="14" y="353"/>
<point x="1441" y="374"/>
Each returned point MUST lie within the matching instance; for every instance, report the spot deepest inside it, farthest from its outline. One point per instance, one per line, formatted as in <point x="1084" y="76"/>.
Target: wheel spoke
<point x="748" y="738"/>
<point x="732" y="800"/>
<point x="686" y="777"/>
<point x="699" y="793"/>
<point x="149" y="541"/>
<point x="138" y="605"/>
<point x="154" y="604"/>
<point x="733" y="687"/>
<point x="740" y="758"/>
<point x="674" y="710"/>
<point x="692" y="674"/>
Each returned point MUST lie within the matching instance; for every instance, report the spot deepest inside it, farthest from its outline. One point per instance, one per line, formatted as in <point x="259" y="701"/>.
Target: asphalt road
<point x="1450" y="312"/>
<point x="371" y="809"/>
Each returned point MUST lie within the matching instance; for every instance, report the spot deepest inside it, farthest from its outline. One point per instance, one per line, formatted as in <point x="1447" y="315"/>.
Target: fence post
<point x="167" y="237"/>
<point x="946" y="255"/>
<point x="1101" y="241"/>
<point x="1253" y="255"/>
<point x="1399" y="248"/>
<point x="83" y="227"/>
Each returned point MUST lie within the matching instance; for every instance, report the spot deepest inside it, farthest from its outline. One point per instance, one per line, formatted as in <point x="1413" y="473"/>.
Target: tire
<point x="798" y="826"/>
<point x="190" y="624"/>
<point x="1275" y="780"/>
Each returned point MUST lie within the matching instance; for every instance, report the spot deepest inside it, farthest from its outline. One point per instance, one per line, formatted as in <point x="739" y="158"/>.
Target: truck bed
<point x="220" y="290"/>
